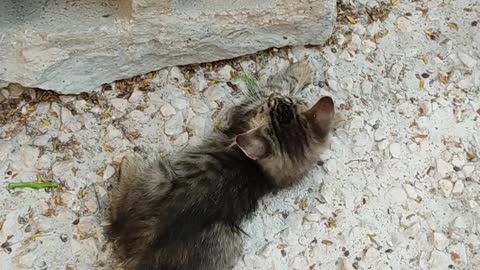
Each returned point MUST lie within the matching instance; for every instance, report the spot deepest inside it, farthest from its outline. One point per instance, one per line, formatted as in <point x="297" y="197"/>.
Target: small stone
<point x="440" y="241"/>
<point x="26" y="261"/>
<point x="404" y="25"/>
<point x="29" y="155"/>
<point x="167" y="110"/>
<point x="411" y="192"/>
<point x="468" y="170"/>
<point x="16" y="90"/>
<point x="119" y="104"/>
<point x="179" y="103"/>
<point x="70" y="123"/>
<point x="444" y="169"/>
<point x="333" y="84"/>
<point x="426" y="108"/>
<point x="460" y="223"/>
<point x="80" y="106"/>
<point x="458" y="161"/>
<point x="181" y="140"/>
<point x="467" y="60"/>
<point x="64" y="237"/>
<point x="88" y="225"/>
<point x="458" y="187"/>
<point x="299" y="262"/>
<point x="174" y="125"/>
<point x="371" y="255"/>
<point x="136" y="96"/>
<point x="347" y="84"/>
<point x="199" y="106"/>
<point x="396" y="150"/>
<point x="446" y="186"/>
<point x="108" y="172"/>
<point x="439" y="260"/>
<point x="175" y="75"/>
<point x="367" y="87"/>
<point x="368" y="46"/>
<point x="91" y="204"/>
<point x="138" y="117"/>
<point x="5" y="93"/>
<point x="225" y="72"/>
<point x="423" y="123"/>
<point x="396" y="195"/>
<point x="214" y="92"/>
<point x="44" y="162"/>
<point x="42" y="140"/>
<point x="197" y="125"/>
<point x="345" y="264"/>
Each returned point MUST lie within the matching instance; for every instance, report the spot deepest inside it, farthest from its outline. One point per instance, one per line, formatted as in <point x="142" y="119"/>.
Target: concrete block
<point x="76" y="46"/>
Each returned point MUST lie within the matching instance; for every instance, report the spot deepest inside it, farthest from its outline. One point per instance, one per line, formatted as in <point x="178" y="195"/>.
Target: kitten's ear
<point x="253" y="144"/>
<point x="321" y="114"/>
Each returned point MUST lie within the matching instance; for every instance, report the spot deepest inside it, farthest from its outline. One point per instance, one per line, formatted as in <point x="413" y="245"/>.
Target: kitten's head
<point x="286" y="137"/>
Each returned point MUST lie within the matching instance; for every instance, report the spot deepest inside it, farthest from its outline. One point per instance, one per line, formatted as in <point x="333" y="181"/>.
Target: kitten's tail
<point x="302" y="73"/>
<point x="290" y="81"/>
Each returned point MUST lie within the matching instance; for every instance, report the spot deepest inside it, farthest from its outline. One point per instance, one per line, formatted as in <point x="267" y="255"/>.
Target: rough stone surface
<point x="76" y="47"/>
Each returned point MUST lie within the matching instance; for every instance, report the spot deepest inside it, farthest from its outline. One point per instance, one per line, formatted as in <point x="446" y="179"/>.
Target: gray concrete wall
<point x="75" y="46"/>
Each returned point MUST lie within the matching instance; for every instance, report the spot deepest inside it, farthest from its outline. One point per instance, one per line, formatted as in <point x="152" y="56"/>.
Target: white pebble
<point x="214" y="92"/>
<point x="345" y="264"/>
<point x="446" y="186"/>
<point x="467" y="60"/>
<point x="167" y="110"/>
<point x="299" y="262"/>
<point x="70" y="123"/>
<point x="468" y="170"/>
<point x="396" y="150"/>
<point x="439" y="260"/>
<point x="175" y="75"/>
<point x="458" y="161"/>
<point x="333" y="85"/>
<point x="444" y="169"/>
<point x="66" y="98"/>
<point x="119" y="104"/>
<point x="426" y="108"/>
<point x="371" y="255"/>
<point x="180" y="103"/>
<point x="458" y="187"/>
<point x="440" y="241"/>
<point x="404" y="25"/>
<point x="88" y="225"/>
<point x="136" y="96"/>
<point x="181" y="140"/>
<point x="396" y="195"/>
<point x="367" y="87"/>
<point x="225" y="72"/>
<point x="197" y="125"/>
<point x="347" y="84"/>
<point x="460" y="223"/>
<point x="174" y="125"/>
<point x="108" y="172"/>
<point x="29" y="155"/>
<point x="43" y="163"/>
<point x="199" y="106"/>
<point x="411" y="192"/>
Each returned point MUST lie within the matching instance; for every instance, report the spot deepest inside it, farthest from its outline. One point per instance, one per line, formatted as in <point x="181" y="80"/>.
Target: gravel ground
<point x="398" y="189"/>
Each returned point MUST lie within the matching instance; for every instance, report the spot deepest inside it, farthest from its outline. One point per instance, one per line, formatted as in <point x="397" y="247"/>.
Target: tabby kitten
<point x="186" y="213"/>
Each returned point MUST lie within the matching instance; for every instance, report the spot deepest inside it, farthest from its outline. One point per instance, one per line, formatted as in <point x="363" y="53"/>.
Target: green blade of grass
<point x="34" y="185"/>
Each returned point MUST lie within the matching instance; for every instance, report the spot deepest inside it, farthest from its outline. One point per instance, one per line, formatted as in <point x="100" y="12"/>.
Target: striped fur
<point x="186" y="213"/>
